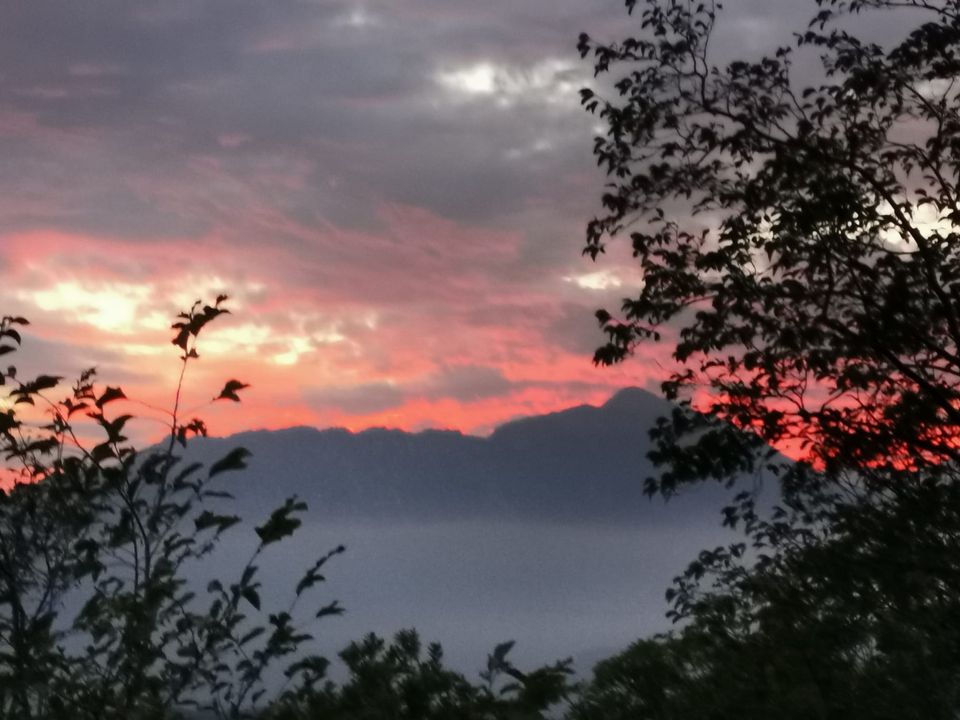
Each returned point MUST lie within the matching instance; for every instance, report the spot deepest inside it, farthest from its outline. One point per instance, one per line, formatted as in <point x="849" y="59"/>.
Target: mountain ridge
<point x="583" y="464"/>
<point x="624" y="397"/>
<point x="539" y="532"/>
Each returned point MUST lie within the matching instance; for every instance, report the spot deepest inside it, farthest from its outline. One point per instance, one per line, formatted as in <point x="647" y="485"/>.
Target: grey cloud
<point x="575" y="330"/>
<point x="130" y="97"/>
<point x="157" y="84"/>
<point x="38" y="356"/>
<point x="464" y="383"/>
<point x="358" y="399"/>
<point x="468" y="383"/>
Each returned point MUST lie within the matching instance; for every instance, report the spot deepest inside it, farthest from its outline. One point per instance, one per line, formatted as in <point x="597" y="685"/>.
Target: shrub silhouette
<point x="96" y="617"/>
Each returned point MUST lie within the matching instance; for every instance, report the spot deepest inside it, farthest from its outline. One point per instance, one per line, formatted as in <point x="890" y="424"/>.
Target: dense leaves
<point x="856" y="616"/>
<point x="799" y="247"/>
<point x="798" y="241"/>
<point x="403" y="681"/>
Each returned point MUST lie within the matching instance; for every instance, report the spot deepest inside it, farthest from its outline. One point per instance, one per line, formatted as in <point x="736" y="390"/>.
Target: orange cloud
<point x="419" y="322"/>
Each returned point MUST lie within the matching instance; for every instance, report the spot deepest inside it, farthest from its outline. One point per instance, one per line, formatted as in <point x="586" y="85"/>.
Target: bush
<point x="402" y="682"/>
<point x="96" y="617"/>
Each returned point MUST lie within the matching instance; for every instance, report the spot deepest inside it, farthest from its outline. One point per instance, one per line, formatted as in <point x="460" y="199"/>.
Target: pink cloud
<point x="423" y="305"/>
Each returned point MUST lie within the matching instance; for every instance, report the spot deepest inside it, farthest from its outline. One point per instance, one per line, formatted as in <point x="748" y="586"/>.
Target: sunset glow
<point x="466" y="350"/>
<point x="397" y="219"/>
<point x="433" y="281"/>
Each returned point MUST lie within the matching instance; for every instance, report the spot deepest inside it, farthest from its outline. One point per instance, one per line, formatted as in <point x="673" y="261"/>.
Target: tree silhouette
<point x="798" y="243"/>
<point x="800" y="251"/>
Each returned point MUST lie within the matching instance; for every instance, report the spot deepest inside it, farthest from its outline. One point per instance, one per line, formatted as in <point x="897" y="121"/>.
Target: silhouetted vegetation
<point x="97" y="619"/>
<point x="799" y="246"/>
<point x="400" y="681"/>
<point x="800" y="241"/>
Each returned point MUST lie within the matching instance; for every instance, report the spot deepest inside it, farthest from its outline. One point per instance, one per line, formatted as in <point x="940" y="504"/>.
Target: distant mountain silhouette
<point x="539" y="532"/>
<point x="584" y="464"/>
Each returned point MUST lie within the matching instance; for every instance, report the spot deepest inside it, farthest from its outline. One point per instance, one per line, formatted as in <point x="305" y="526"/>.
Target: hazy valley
<point x="539" y="533"/>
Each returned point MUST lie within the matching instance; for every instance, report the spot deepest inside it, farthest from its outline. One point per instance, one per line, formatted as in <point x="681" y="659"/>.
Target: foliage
<point x="399" y="681"/>
<point x="799" y="243"/>
<point x="858" y="617"/>
<point x="96" y="617"/>
<point x="799" y="249"/>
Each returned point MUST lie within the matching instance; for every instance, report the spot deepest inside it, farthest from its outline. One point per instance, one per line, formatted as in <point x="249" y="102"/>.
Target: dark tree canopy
<point x="800" y="249"/>
<point x="854" y="618"/>
<point x="799" y="244"/>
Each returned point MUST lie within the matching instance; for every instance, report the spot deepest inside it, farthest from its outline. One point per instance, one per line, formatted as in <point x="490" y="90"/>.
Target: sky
<point x="393" y="194"/>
